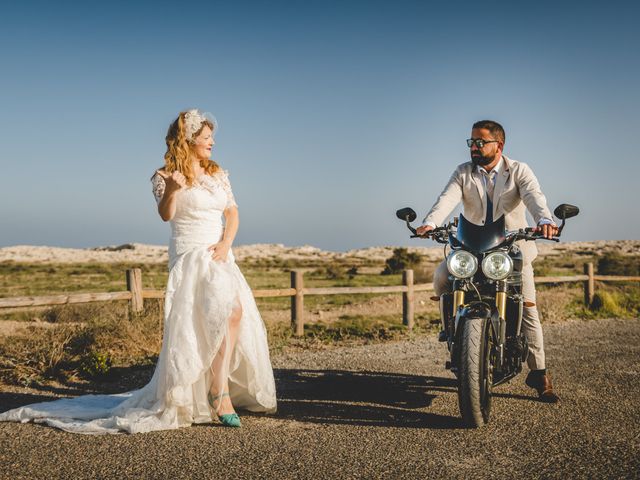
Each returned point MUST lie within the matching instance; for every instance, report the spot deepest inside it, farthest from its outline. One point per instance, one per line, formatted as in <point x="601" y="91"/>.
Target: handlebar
<point x="530" y="233"/>
<point x="441" y="235"/>
<point x="533" y="236"/>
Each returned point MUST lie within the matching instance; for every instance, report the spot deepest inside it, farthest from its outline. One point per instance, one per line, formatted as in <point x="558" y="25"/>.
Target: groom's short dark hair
<point x="494" y="127"/>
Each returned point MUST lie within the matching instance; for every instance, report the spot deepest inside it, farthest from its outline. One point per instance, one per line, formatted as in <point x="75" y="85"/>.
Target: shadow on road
<point x="9" y="400"/>
<point x="316" y="396"/>
<point x="362" y="398"/>
<point x="120" y="379"/>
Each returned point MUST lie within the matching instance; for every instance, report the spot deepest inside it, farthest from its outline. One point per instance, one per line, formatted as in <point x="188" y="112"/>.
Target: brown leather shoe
<point x="544" y="387"/>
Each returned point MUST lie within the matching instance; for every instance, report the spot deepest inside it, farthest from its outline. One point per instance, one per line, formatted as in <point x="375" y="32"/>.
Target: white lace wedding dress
<point x="200" y="296"/>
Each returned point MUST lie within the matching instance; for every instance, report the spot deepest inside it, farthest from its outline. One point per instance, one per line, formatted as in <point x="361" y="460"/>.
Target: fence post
<point x="407" y="299"/>
<point x="589" y="285"/>
<point x="134" y="285"/>
<point x="297" y="303"/>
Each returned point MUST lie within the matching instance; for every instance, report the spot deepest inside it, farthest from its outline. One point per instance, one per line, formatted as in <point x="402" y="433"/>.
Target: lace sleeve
<point x="226" y="185"/>
<point x="158" y="185"/>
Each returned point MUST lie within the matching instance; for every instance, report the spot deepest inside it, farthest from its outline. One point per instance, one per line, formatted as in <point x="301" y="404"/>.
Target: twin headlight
<point x="462" y="264"/>
<point x="496" y="265"/>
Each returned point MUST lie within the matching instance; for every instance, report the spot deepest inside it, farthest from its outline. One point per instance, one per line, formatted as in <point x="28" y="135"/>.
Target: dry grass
<point x="69" y="351"/>
<point x="556" y="303"/>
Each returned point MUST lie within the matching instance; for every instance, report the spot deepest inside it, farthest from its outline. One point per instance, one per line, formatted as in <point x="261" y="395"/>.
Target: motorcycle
<point x="481" y="317"/>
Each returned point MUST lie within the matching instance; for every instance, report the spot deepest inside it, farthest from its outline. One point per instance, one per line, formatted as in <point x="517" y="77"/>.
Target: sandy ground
<point x="378" y="411"/>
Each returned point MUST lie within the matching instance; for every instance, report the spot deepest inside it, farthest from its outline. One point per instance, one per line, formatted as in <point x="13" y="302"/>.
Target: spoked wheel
<point x="475" y="372"/>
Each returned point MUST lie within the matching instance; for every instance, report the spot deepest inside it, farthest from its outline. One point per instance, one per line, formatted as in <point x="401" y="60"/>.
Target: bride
<point x="214" y="354"/>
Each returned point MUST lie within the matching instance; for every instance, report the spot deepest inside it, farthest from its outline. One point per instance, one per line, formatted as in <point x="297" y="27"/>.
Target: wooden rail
<point x="50" y="300"/>
<point x="135" y="294"/>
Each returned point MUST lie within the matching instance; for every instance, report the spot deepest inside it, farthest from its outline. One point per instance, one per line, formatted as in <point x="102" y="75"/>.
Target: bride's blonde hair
<point x="178" y="154"/>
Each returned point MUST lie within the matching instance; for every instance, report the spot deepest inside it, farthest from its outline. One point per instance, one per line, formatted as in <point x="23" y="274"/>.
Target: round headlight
<point x="497" y="265"/>
<point x="462" y="264"/>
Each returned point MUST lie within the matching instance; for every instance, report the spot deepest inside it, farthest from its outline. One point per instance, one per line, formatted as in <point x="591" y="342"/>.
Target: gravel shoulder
<point x="386" y="410"/>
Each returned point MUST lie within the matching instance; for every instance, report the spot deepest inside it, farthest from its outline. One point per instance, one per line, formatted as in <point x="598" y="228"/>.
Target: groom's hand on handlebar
<point x="424" y="230"/>
<point x="548" y="230"/>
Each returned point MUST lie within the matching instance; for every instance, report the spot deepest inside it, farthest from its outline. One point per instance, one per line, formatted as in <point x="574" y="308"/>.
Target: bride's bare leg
<point x="221" y="362"/>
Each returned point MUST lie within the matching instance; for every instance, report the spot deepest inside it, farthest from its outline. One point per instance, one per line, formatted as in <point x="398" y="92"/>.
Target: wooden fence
<point x="135" y="294"/>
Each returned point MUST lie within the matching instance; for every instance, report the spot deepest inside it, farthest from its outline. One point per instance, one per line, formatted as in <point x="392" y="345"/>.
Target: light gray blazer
<point x="516" y="190"/>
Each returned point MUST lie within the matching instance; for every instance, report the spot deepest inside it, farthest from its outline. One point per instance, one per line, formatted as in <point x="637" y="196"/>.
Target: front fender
<point x="478" y="309"/>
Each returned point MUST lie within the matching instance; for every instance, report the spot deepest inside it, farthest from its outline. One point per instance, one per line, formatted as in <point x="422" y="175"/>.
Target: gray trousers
<point x="531" y="326"/>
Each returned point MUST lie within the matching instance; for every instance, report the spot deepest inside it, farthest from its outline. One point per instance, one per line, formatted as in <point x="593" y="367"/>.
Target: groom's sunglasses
<point x="479" y="142"/>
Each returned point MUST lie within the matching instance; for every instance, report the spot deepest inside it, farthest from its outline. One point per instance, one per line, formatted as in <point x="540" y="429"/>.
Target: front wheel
<point x="475" y="371"/>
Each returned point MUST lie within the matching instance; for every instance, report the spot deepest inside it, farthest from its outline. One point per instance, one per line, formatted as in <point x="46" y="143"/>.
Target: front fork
<point x="448" y="308"/>
<point x="458" y="301"/>
<point x="501" y="307"/>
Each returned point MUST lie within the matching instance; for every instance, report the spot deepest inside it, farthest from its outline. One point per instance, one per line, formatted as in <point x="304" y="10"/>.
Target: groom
<point x="489" y="186"/>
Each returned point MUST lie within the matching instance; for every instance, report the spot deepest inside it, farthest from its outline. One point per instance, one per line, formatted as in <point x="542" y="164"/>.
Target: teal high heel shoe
<point x="230" y="420"/>
<point x="227" y="419"/>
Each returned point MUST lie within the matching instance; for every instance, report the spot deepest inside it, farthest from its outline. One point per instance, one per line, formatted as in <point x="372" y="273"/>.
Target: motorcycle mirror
<point x="565" y="211"/>
<point x="406" y="214"/>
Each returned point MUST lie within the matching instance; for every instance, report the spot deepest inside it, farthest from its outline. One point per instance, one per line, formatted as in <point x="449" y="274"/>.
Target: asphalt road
<point x="381" y="411"/>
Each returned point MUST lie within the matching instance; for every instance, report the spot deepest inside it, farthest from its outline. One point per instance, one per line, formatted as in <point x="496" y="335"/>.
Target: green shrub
<point x="607" y="303"/>
<point x="401" y="259"/>
<point x="615" y="264"/>
<point x="334" y="271"/>
<point x="96" y="364"/>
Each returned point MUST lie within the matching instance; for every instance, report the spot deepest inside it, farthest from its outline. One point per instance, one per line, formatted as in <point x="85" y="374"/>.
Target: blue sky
<point x="332" y="114"/>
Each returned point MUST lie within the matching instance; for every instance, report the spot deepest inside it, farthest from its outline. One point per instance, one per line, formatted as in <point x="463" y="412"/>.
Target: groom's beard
<point x="478" y="159"/>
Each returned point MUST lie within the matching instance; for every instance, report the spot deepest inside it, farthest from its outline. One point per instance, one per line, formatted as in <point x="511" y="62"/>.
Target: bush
<point x="334" y="271"/>
<point x="401" y="259"/>
<point x="615" y="264"/>
<point x="607" y="304"/>
<point x="352" y="272"/>
<point x="96" y="364"/>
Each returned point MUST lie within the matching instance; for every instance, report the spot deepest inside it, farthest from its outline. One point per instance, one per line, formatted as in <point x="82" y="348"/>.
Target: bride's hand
<point x="220" y="251"/>
<point x="174" y="181"/>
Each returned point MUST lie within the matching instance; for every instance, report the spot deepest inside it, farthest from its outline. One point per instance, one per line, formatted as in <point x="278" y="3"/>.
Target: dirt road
<point x="381" y="411"/>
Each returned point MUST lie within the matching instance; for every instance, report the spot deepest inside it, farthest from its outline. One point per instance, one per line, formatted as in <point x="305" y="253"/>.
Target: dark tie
<point x="489" y="216"/>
